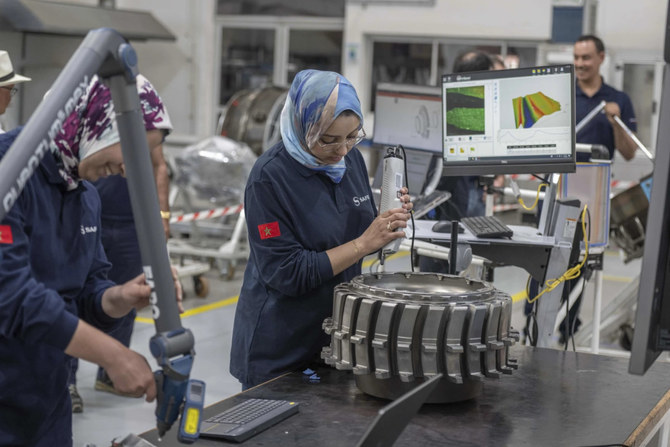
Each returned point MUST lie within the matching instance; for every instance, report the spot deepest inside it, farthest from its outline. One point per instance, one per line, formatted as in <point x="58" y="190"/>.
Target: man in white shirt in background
<point x="8" y="81"/>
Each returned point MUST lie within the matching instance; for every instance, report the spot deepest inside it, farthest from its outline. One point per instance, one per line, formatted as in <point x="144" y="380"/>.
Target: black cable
<point x="606" y="445"/>
<point x="411" y="213"/>
<point x="531" y="324"/>
<point x="540" y="178"/>
<point x="579" y="305"/>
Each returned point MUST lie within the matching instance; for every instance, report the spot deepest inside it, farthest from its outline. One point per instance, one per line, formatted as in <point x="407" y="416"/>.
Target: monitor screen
<point x="652" y="319"/>
<point x="419" y="165"/>
<point x="519" y="121"/>
<point x="408" y="115"/>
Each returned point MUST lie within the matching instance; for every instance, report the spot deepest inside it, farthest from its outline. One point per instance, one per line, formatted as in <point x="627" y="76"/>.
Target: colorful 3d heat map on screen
<point x="530" y="108"/>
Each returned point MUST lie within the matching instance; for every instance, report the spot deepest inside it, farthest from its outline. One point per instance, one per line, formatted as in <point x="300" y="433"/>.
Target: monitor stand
<point x="547" y="220"/>
<point x="559" y="219"/>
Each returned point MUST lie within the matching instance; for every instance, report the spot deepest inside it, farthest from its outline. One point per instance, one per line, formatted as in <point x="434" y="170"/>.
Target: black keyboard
<point x="248" y="418"/>
<point x="487" y="226"/>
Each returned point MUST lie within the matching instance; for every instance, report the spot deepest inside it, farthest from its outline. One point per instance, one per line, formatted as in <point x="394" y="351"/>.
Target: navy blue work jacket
<point x="599" y="130"/>
<point x="294" y="214"/>
<point x="52" y="271"/>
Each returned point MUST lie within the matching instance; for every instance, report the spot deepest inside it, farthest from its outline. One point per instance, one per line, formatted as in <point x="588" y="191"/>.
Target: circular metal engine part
<point x="395" y="330"/>
<point x="252" y="117"/>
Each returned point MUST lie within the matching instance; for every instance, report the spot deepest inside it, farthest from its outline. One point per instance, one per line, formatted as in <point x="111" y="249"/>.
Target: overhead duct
<point x="66" y="19"/>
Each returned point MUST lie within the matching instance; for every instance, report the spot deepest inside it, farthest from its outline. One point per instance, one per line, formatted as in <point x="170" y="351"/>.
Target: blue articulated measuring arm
<point x="107" y="53"/>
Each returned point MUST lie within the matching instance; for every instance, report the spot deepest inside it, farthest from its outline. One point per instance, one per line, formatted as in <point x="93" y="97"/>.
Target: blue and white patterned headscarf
<point x="314" y="101"/>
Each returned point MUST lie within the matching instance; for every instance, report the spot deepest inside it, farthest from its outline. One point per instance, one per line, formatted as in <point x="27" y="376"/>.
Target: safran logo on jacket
<point x="359" y="200"/>
<point x="6" y="235"/>
<point x="269" y="230"/>
<point x="85" y="230"/>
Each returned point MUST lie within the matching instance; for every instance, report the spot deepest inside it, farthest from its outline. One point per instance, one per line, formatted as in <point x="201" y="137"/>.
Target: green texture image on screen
<point x="465" y="111"/>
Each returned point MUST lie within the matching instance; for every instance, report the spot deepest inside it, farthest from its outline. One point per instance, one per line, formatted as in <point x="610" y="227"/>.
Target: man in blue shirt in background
<point x="591" y="90"/>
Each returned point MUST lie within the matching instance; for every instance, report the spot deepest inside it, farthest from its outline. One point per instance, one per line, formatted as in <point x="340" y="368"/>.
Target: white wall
<point x="182" y="71"/>
<point x="474" y="19"/>
<point x="638" y="25"/>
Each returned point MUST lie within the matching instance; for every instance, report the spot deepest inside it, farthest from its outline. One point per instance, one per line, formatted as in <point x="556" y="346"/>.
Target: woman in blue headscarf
<point x="311" y="219"/>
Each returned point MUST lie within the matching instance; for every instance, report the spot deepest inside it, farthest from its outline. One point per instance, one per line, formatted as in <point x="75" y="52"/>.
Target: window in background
<point x="525" y="56"/>
<point x="247" y="60"/>
<point x="448" y="52"/>
<point x="638" y="83"/>
<point x="312" y="8"/>
<point x="320" y="50"/>
<point x="513" y="56"/>
<point x="400" y="63"/>
<point x="423" y="62"/>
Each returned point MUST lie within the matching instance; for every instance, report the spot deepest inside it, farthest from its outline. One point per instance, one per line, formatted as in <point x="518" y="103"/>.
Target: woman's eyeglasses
<point x="12" y="90"/>
<point x="350" y="142"/>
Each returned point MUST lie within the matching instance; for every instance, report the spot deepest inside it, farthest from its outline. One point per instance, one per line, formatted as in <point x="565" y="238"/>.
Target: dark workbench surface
<point x="556" y="397"/>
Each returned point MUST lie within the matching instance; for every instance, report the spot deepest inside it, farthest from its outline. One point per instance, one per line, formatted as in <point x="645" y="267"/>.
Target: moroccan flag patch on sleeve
<point x="7" y="238"/>
<point x="269" y="230"/>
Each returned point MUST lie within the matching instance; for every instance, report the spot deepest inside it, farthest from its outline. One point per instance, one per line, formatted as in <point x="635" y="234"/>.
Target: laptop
<point x="394" y="417"/>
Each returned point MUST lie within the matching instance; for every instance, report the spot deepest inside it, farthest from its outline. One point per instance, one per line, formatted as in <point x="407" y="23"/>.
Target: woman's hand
<point x="382" y="230"/>
<point x="117" y="301"/>
<point x="406" y="200"/>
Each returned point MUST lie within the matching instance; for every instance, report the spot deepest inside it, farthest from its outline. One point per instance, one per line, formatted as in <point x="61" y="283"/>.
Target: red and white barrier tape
<point x="622" y="184"/>
<point x="208" y="214"/>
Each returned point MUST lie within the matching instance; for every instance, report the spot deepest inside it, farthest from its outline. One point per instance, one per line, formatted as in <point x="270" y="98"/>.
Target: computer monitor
<point x="519" y="121"/>
<point x="652" y="319"/>
<point x="419" y="164"/>
<point x="409" y="115"/>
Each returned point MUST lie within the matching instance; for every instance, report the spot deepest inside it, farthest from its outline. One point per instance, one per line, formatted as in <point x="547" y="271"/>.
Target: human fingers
<point x="150" y="389"/>
<point x="132" y="375"/>
<point x="407" y="204"/>
<point x="178" y="289"/>
<point x="136" y="292"/>
<point x="397" y="220"/>
<point x="612" y="109"/>
<point x="389" y="213"/>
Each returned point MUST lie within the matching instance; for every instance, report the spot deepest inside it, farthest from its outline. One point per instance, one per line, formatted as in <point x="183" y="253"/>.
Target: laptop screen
<point x="394" y="417"/>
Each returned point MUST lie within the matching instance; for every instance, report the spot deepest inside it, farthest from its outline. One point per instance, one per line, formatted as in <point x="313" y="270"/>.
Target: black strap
<point x="9" y="76"/>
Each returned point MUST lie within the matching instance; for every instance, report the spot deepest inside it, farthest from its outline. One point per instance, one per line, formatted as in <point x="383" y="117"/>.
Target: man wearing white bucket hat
<point x="8" y="80"/>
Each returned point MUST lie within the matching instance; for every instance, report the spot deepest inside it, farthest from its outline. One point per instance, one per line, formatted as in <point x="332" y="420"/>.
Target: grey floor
<point x="107" y="417"/>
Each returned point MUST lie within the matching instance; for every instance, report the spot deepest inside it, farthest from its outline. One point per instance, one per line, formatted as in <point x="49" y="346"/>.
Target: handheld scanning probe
<point x="393" y="178"/>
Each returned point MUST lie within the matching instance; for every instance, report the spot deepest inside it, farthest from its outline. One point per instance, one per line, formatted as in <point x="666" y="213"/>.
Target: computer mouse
<point x="444" y="226"/>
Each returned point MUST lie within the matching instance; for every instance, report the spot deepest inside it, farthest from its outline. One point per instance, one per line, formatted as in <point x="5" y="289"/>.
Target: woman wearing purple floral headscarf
<point x="55" y="297"/>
